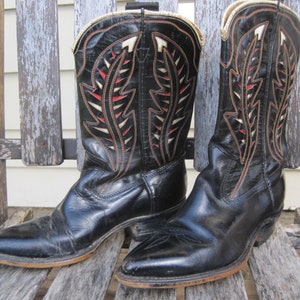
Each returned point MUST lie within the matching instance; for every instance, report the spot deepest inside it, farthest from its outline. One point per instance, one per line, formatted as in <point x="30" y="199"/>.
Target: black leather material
<point x="238" y="197"/>
<point x="96" y="206"/>
<point x="136" y="75"/>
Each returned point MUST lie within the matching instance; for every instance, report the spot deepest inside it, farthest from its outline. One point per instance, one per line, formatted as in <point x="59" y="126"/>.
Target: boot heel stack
<point x="238" y="196"/>
<point x="143" y="229"/>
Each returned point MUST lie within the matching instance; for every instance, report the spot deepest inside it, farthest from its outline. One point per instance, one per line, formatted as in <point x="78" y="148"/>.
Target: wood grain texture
<point x="208" y="16"/>
<point x="293" y="232"/>
<point x="297" y="216"/>
<point x="39" y="85"/>
<point x="165" y="5"/>
<point x="207" y="95"/>
<point x="275" y="267"/>
<point x="90" y="278"/>
<point x="84" y="12"/>
<point x="20" y="283"/>
<point x="3" y="186"/>
<point x="19" y="216"/>
<point x="10" y="149"/>
<point x="87" y="10"/>
<point x="138" y="294"/>
<point x="232" y="288"/>
<point x="293" y="122"/>
<point x="3" y="192"/>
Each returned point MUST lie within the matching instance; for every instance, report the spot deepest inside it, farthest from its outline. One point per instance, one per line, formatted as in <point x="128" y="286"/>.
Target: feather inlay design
<point x="110" y="103"/>
<point x="282" y="85"/>
<point x="245" y="86"/>
<point x="171" y="101"/>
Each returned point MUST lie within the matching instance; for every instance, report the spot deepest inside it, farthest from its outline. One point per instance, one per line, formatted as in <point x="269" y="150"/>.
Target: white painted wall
<point x="46" y="186"/>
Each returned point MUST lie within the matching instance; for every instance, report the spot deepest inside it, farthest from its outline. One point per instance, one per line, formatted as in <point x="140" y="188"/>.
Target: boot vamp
<point x="94" y="208"/>
<point x="82" y="218"/>
<point x="189" y="245"/>
<point x="207" y="233"/>
<point x="97" y="205"/>
<point x="45" y="236"/>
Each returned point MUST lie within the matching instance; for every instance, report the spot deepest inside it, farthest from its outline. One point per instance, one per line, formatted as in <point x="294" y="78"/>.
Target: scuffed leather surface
<point x="93" y="208"/>
<point x="136" y="74"/>
<point x="241" y="190"/>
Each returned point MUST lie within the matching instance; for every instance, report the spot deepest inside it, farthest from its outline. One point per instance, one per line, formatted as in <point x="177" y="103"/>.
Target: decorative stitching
<point x="282" y="84"/>
<point x="172" y="110"/>
<point x="244" y="88"/>
<point x="110" y="104"/>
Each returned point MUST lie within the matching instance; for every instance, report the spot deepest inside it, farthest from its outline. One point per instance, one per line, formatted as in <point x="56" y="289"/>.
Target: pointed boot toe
<point x="238" y="197"/>
<point x="136" y="74"/>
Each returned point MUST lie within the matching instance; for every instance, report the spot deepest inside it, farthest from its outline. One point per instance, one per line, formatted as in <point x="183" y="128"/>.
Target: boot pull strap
<point x="154" y="6"/>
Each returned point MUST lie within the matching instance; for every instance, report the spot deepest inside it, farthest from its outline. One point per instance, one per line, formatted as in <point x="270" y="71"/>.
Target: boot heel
<point x="143" y="229"/>
<point x="265" y="232"/>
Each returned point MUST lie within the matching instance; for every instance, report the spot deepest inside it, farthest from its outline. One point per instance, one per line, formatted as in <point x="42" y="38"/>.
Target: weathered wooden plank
<point x="126" y="293"/>
<point x="19" y="216"/>
<point x="165" y="5"/>
<point x="89" y="279"/>
<point x="3" y="192"/>
<point x="20" y="283"/>
<point x="39" y="85"/>
<point x="232" y="288"/>
<point x="297" y="216"/>
<point x="275" y="267"/>
<point x="87" y="10"/>
<point x="10" y="149"/>
<point x="293" y="232"/>
<point x="207" y="94"/>
<point x="3" y="187"/>
<point x="208" y="16"/>
<point x="293" y="122"/>
<point x="84" y="12"/>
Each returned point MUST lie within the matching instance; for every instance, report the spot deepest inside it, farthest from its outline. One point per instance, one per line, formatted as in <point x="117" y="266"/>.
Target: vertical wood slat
<point x="20" y="283"/>
<point x="208" y="17"/>
<point x="39" y="85"/>
<point x="232" y="287"/>
<point x="165" y="5"/>
<point x="88" y="279"/>
<point x="207" y="94"/>
<point x="293" y="122"/>
<point x="3" y="187"/>
<point x="84" y="12"/>
<point x="275" y="267"/>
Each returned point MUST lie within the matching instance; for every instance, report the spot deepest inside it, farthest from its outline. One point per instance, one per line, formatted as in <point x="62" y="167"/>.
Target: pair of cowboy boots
<point x="136" y="74"/>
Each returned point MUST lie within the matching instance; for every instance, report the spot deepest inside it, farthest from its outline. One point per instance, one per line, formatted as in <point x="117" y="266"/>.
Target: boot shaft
<point x="259" y="56"/>
<point x="136" y="74"/>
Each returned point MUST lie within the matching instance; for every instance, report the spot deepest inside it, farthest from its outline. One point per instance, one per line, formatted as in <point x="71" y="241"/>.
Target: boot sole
<point x="259" y="237"/>
<point x="146" y="222"/>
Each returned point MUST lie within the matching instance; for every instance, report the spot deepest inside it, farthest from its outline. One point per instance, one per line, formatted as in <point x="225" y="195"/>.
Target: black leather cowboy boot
<point x="238" y="197"/>
<point x="136" y="74"/>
